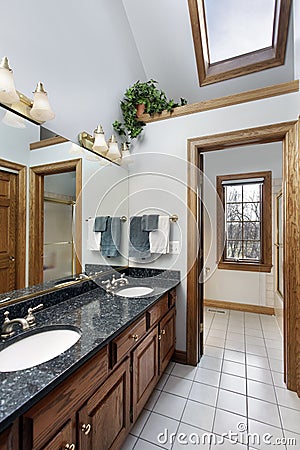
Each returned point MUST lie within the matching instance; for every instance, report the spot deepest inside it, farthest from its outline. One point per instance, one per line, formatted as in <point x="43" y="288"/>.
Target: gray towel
<point x="100" y="223"/>
<point x="111" y="237"/>
<point x="150" y="222"/>
<point x="139" y="245"/>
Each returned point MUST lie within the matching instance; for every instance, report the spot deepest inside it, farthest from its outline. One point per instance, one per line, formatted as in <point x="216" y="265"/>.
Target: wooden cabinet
<point x="144" y="371"/>
<point x="63" y="440"/>
<point x="95" y="407"/>
<point x="103" y="422"/>
<point x="166" y="339"/>
<point x="9" y="439"/>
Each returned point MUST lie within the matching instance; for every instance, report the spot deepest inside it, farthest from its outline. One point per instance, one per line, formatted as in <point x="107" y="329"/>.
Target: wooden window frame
<point x="240" y="65"/>
<point x="265" y="265"/>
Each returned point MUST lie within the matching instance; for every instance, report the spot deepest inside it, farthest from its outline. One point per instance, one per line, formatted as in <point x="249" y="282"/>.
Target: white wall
<point x="170" y="137"/>
<point x="83" y="52"/>
<point x="233" y="285"/>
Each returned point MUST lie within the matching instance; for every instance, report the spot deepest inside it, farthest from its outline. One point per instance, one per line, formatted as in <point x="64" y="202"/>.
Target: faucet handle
<point x="6" y="315"/>
<point x="30" y="317"/>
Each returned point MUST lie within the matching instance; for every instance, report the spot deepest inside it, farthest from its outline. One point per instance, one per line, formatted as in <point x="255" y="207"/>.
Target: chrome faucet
<point x="8" y="325"/>
<point x="122" y="281"/>
<point x="26" y="323"/>
<point x="111" y="285"/>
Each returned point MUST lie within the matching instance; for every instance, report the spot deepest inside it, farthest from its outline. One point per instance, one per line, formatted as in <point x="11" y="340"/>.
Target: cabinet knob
<point x="163" y="331"/>
<point x="69" y="447"/>
<point x="86" y="428"/>
<point x="135" y="337"/>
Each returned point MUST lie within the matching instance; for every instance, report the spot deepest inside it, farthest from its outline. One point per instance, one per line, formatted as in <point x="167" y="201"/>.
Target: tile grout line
<point x="278" y="409"/>
<point x="221" y="372"/>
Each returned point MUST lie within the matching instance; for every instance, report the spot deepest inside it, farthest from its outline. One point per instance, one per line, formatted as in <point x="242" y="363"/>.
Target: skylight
<point x="236" y="27"/>
<point x="236" y="37"/>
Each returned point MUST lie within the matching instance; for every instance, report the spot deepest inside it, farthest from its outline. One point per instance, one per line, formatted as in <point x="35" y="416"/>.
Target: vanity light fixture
<point x="8" y="93"/>
<point x="37" y="109"/>
<point x="113" y="149"/>
<point x="41" y="109"/>
<point x="100" y="145"/>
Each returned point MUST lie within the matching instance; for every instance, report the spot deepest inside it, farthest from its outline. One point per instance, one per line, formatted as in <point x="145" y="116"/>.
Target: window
<point x="234" y="37"/>
<point x="245" y="221"/>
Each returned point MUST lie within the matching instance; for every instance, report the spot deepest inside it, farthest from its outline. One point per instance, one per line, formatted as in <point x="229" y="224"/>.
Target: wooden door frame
<point x="288" y="134"/>
<point x="36" y="215"/>
<point x="20" y="220"/>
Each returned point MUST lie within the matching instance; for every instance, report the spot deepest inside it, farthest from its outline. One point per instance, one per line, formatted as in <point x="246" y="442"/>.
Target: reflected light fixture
<point x="100" y="145"/>
<point x="37" y="110"/>
<point x="13" y="120"/>
<point x="8" y="93"/>
<point x="41" y="109"/>
<point x="113" y="149"/>
<point x="109" y="150"/>
<point x="126" y="155"/>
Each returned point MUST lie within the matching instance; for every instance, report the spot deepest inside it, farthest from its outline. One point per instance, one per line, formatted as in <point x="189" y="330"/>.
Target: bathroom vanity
<point x="90" y="396"/>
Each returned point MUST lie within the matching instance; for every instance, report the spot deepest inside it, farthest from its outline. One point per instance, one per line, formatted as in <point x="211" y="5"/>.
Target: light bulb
<point x="100" y="145"/>
<point x="41" y="109"/>
<point x="113" y="150"/>
<point x="8" y="93"/>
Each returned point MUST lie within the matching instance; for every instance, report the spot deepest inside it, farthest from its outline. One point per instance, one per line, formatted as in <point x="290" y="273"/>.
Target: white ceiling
<point x="162" y="32"/>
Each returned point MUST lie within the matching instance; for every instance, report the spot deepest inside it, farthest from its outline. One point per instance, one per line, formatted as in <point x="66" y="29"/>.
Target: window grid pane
<point x="243" y="222"/>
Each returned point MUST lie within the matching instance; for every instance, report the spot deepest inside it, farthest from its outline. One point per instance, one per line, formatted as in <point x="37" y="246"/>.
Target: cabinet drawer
<point x="43" y="421"/>
<point x="128" y="339"/>
<point x="157" y="311"/>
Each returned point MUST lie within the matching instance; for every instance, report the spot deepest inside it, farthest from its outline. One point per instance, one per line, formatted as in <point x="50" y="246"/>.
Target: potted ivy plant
<point x="138" y="99"/>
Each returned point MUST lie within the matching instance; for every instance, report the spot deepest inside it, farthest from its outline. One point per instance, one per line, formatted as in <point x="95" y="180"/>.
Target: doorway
<point x="12" y="226"/>
<point x="37" y="229"/>
<point x="288" y="134"/>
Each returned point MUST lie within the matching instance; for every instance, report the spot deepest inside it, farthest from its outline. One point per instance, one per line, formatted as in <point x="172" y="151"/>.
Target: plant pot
<point x="140" y="109"/>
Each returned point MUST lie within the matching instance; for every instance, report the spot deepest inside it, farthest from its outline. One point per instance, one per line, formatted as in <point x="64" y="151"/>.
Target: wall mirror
<point x="51" y="191"/>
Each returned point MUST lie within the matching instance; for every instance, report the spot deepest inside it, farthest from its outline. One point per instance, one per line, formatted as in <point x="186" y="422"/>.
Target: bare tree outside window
<point x="243" y="221"/>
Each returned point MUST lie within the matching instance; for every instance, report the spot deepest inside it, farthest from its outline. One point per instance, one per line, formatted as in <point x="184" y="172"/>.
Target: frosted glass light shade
<point x="13" y="120"/>
<point x="8" y="93"/>
<point x="41" y="109"/>
<point x="113" y="149"/>
<point x="100" y="145"/>
<point x="126" y="155"/>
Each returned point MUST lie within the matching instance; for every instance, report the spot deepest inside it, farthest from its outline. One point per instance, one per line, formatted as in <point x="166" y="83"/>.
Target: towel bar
<point x="122" y="218"/>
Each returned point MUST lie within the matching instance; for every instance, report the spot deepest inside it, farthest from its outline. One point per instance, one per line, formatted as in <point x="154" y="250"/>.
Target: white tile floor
<point x="237" y="386"/>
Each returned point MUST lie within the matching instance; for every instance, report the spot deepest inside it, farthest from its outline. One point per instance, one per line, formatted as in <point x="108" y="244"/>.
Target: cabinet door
<point x="166" y="339"/>
<point x="145" y="371"/>
<point x="104" y="420"/>
<point x="9" y="439"/>
<point x="63" y="440"/>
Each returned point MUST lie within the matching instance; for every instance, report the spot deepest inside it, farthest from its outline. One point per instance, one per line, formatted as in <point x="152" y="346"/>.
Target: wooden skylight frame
<point x="255" y="61"/>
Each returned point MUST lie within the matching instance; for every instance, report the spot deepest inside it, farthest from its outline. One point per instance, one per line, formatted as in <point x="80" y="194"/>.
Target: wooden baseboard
<point x="179" y="356"/>
<point x="240" y="307"/>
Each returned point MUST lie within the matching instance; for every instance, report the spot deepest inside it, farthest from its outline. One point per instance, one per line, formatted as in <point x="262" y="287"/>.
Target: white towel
<point x="159" y="239"/>
<point x="94" y="238"/>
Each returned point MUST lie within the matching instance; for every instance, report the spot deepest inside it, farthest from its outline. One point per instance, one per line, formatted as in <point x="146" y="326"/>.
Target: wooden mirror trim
<point x="36" y="214"/>
<point x="288" y="134"/>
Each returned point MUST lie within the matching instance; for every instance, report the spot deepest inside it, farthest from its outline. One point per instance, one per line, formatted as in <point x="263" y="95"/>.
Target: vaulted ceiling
<point x="163" y="35"/>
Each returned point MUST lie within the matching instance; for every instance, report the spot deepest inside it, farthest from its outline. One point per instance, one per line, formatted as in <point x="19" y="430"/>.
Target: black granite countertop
<point x="99" y="316"/>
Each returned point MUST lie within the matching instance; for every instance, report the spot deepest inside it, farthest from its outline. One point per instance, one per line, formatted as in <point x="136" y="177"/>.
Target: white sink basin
<point x="136" y="291"/>
<point x="37" y="349"/>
